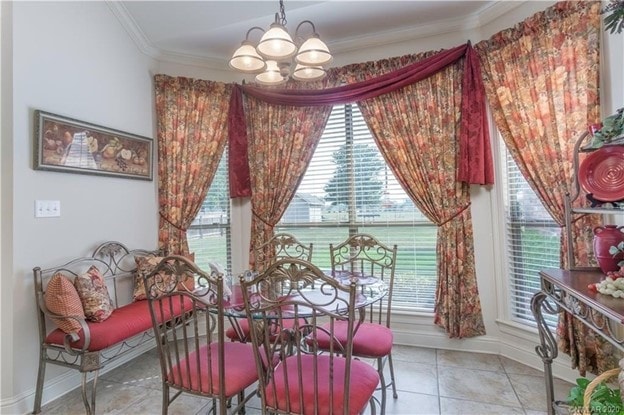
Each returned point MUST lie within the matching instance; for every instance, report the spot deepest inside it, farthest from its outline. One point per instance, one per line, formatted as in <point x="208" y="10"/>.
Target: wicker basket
<point x="593" y="384"/>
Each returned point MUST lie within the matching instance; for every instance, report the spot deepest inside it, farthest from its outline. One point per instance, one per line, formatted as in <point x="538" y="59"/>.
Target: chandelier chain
<point x="283" y="20"/>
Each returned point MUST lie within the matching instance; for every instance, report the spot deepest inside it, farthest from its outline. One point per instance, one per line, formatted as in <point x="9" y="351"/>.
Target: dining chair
<point x="362" y="255"/>
<point x="281" y="245"/>
<point x="307" y="379"/>
<point x="195" y="358"/>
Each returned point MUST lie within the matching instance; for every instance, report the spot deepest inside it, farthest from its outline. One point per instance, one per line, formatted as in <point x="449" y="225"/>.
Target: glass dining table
<point x="370" y="290"/>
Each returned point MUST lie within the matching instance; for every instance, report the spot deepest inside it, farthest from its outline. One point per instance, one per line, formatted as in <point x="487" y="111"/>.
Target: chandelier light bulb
<point x="313" y="52"/>
<point x="308" y="73"/>
<point x="246" y="59"/>
<point x="271" y="76"/>
<point x="276" y="44"/>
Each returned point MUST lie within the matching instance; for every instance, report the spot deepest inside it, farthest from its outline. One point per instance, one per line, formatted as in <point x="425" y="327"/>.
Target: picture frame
<point x="68" y="145"/>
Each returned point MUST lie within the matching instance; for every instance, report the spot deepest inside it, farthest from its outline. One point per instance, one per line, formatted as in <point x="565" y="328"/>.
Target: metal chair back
<point x="281" y="245"/>
<point x="290" y="306"/>
<point x="194" y="356"/>
<point x="363" y="255"/>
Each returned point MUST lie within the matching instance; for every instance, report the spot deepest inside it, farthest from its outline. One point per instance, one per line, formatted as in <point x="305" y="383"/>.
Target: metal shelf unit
<point x="567" y="290"/>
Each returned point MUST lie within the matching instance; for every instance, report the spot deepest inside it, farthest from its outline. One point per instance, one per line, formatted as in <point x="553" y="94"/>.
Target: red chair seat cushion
<point x="240" y="369"/>
<point x="123" y="323"/>
<point x="370" y="340"/>
<point x="363" y="381"/>
<point x="232" y="334"/>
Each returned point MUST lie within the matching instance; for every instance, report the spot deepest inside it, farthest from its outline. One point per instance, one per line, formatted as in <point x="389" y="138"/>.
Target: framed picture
<point x="67" y="145"/>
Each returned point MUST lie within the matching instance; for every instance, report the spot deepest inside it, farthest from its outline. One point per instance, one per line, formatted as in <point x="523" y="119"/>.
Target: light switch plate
<point x="47" y="208"/>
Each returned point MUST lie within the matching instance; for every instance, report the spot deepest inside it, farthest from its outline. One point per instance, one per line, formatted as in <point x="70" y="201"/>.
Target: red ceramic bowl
<point x="602" y="174"/>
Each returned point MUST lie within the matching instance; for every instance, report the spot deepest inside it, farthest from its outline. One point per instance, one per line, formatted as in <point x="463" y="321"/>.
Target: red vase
<point x="604" y="238"/>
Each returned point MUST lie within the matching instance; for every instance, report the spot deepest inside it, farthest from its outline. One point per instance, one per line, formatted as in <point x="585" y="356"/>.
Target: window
<point x="532" y="240"/>
<point x="209" y="234"/>
<point x="348" y="188"/>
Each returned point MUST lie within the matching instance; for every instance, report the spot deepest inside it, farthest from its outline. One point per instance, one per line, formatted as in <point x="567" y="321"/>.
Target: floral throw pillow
<point x="93" y="293"/>
<point x="62" y="298"/>
<point x="145" y="266"/>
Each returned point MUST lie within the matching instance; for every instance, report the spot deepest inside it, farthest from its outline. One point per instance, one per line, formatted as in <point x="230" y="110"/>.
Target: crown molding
<point x="132" y="28"/>
<point x="403" y="35"/>
<point x="476" y="20"/>
<point x="491" y="12"/>
<point x="193" y="60"/>
<point x="141" y="41"/>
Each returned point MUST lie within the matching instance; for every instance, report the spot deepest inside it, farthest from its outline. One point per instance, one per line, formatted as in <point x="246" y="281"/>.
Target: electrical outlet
<point x="47" y="208"/>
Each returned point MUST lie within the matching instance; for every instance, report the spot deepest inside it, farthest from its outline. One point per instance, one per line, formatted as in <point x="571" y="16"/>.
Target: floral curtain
<point x="192" y="133"/>
<point x="541" y="79"/>
<point x="417" y="130"/>
<point x="475" y="166"/>
<point x="281" y="141"/>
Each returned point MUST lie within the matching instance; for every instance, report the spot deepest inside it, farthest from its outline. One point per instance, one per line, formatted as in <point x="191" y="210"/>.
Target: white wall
<point x="72" y="59"/>
<point x="5" y="176"/>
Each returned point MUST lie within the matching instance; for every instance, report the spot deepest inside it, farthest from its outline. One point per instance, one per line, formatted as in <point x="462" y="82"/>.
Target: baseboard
<point x="417" y="329"/>
<point x="561" y="366"/>
<point x="512" y="342"/>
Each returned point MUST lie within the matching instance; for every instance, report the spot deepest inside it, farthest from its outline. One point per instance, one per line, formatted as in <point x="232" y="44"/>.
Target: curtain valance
<point x="476" y="158"/>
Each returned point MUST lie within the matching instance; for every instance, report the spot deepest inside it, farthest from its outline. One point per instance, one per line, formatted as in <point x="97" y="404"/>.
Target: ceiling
<point x="207" y="32"/>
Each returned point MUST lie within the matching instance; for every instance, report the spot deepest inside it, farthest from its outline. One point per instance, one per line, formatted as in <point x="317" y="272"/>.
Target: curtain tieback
<point x="579" y="217"/>
<point x="166" y="219"/>
<point x="459" y="212"/>
<point x="253" y="212"/>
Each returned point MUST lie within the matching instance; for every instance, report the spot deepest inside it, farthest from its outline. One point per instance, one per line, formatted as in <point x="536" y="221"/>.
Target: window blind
<point x="348" y="188"/>
<point x="532" y="240"/>
<point x="209" y="234"/>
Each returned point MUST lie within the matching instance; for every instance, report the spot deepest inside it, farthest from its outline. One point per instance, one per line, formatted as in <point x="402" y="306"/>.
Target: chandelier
<point x="275" y="55"/>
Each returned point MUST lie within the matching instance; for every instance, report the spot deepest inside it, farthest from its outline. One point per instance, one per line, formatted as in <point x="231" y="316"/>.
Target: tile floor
<point x="429" y="381"/>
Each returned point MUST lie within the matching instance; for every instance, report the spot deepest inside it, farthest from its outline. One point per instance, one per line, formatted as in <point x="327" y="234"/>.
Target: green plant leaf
<point x="612" y="127"/>
<point x="608" y="122"/>
<point x="614" y="21"/>
<point x="604" y="400"/>
<point x="595" y="142"/>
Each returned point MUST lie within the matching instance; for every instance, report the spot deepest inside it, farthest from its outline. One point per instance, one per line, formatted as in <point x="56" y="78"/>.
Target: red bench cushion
<point x="124" y="322"/>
